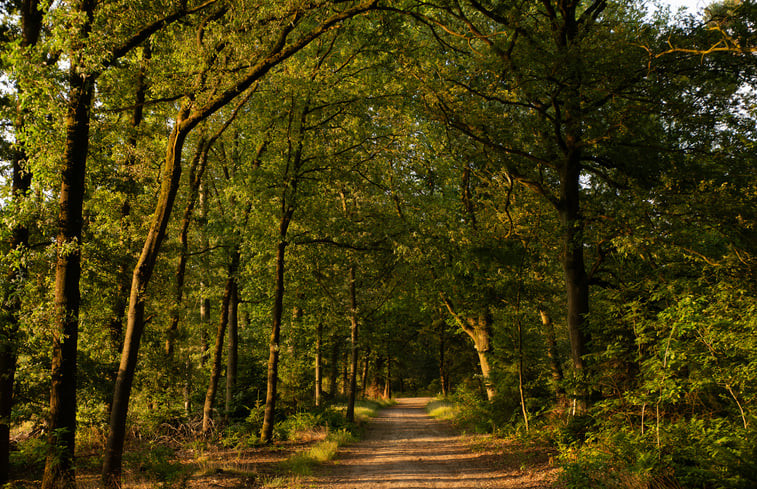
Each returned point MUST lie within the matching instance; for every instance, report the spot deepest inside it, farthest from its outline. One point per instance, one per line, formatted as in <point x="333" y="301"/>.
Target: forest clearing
<point x="231" y="229"/>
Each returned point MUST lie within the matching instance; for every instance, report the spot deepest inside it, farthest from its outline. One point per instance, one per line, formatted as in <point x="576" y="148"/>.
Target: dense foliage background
<point x="217" y="215"/>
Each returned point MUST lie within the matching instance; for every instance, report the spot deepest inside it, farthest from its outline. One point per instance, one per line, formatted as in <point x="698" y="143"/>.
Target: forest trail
<point x="405" y="448"/>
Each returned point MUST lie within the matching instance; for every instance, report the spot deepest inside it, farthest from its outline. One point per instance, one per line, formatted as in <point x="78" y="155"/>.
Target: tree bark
<point x="59" y="466"/>
<point x="232" y="354"/>
<point x="334" y="370"/>
<point x="479" y="330"/>
<point x="576" y="280"/>
<point x="388" y="378"/>
<point x="318" y="364"/>
<point x="170" y="179"/>
<point x="217" y="365"/>
<point x="353" y="348"/>
<point x="10" y="307"/>
<point x="554" y="360"/>
<point x="266" y="432"/>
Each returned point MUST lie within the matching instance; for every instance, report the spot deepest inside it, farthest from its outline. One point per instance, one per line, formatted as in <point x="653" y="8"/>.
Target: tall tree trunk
<point x="170" y="179"/>
<point x="353" y="348"/>
<point x="576" y="280"/>
<point x="217" y="365"/>
<point x="266" y="433"/>
<point x="318" y="364"/>
<point x="364" y="375"/>
<point x="443" y="376"/>
<point x="59" y="467"/>
<point x="187" y="392"/>
<point x="334" y="366"/>
<point x="232" y="354"/>
<point x="10" y="307"/>
<point x="121" y="296"/>
<point x="388" y="378"/>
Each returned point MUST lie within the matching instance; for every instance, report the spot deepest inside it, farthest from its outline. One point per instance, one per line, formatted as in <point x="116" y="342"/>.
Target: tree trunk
<point x="554" y="360"/>
<point x="388" y="378"/>
<point x="188" y="386"/>
<point x="479" y="330"/>
<point x="217" y="366"/>
<point x="576" y="280"/>
<point x="120" y="299"/>
<point x="59" y="467"/>
<point x="170" y="179"/>
<point x="318" y="364"/>
<point x="443" y="376"/>
<point x="266" y="433"/>
<point x="353" y="348"/>
<point x="334" y="370"/>
<point x="364" y="375"/>
<point x="21" y="179"/>
<point x="232" y="354"/>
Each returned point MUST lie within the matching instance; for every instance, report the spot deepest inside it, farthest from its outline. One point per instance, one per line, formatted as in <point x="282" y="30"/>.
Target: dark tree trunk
<point x="266" y="433"/>
<point x="232" y="354"/>
<point x="576" y="280"/>
<point x="59" y="467"/>
<point x="217" y="365"/>
<point x="353" y="348"/>
<point x="10" y="307"/>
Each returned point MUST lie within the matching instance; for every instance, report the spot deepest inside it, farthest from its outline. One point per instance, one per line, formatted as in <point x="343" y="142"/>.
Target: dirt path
<point x="404" y="448"/>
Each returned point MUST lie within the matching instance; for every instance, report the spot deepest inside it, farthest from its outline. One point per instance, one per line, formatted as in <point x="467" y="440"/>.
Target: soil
<point x="404" y="448"/>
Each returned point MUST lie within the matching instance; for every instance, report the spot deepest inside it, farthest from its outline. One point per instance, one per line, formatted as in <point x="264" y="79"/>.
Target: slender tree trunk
<point x="59" y="467"/>
<point x="334" y="370"/>
<point x="364" y="376"/>
<point x="120" y="298"/>
<point x="188" y="386"/>
<point x="232" y="354"/>
<point x="554" y="360"/>
<point x="10" y="307"/>
<point x="353" y="348"/>
<point x="318" y="364"/>
<point x="136" y="313"/>
<point x="266" y="432"/>
<point x="443" y="378"/>
<point x="388" y="378"/>
<point x="217" y="365"/>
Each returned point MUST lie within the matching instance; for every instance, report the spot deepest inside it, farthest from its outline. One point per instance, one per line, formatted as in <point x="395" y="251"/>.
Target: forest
<point x="218" y="215"/>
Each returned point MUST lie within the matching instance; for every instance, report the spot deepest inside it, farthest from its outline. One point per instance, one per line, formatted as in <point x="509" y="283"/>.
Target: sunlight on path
<point x="404" y="448"/>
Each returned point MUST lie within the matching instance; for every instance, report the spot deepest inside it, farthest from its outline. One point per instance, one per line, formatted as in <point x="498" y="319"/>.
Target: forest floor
<point x="405" y="448"/>
<point x="402" y="448"/>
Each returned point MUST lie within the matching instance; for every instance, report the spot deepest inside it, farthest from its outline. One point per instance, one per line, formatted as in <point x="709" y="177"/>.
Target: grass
<point x="302" y="463"/>
<point x="442" y="409"/>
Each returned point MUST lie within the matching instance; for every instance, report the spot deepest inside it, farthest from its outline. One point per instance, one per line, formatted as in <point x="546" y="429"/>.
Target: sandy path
<point x="404" y="448"/>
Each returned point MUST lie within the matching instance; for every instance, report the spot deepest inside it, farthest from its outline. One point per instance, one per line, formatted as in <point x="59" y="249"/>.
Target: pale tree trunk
<point x="318" y="364"/>
<point x="479" y="330"/>
<point x="353" y="348"/>
<point x="388" y="378"/>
